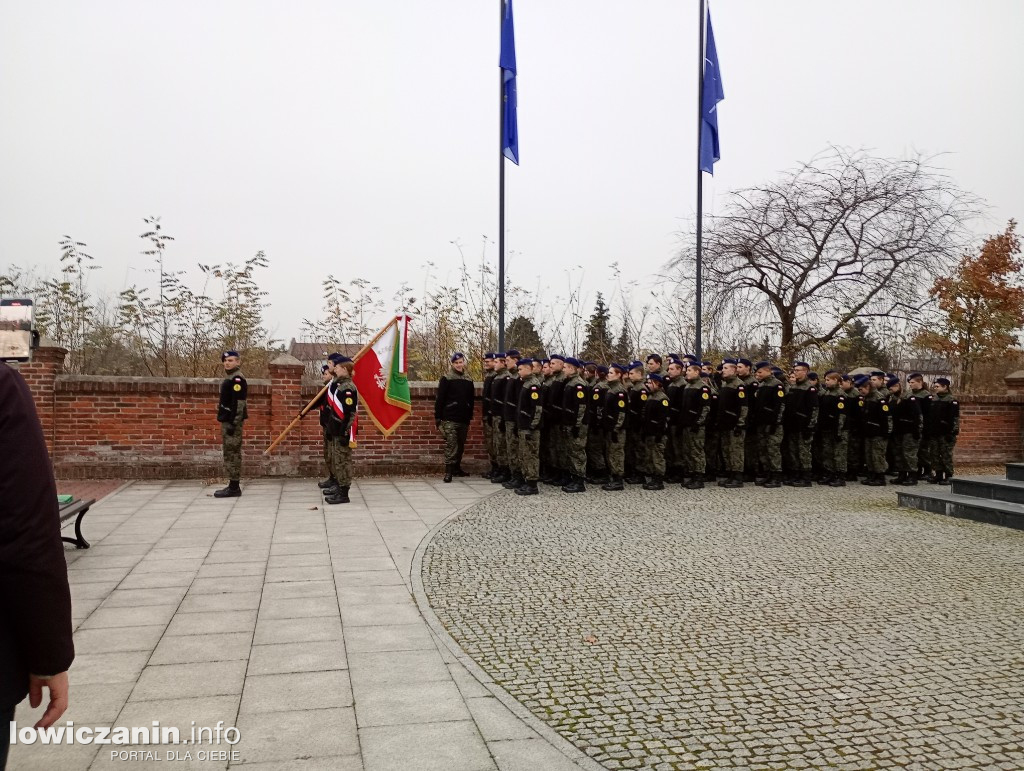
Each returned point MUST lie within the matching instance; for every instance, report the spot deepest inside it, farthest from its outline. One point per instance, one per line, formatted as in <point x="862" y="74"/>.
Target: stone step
<point x="993" y="488"/>
<point x="1015" y="471"/>
<point x="966" y="507"/>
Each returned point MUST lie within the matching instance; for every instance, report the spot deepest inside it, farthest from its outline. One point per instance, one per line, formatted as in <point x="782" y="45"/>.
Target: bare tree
<point x="845" y="236"/>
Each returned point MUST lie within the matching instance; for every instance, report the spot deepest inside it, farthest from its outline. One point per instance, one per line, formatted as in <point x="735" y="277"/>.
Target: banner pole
<point x="698" y="343"/>
<point x="501" y="189"/>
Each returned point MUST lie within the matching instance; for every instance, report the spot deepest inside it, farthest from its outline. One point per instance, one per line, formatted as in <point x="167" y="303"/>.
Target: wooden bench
<point x="76" y="509"/>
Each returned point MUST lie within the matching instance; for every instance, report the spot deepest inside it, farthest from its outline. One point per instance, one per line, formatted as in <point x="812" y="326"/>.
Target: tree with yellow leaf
<point x="983" y="305"/>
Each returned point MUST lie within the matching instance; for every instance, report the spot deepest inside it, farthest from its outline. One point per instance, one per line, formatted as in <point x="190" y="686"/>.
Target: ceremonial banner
<point x="510" y="105"/>
<point x="713" y="93"/>
<point x="381" y="376"/>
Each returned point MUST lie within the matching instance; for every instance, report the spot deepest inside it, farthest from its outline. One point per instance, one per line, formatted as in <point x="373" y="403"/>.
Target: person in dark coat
<point x="453" y="411"/>
<point x="35" y="603"/>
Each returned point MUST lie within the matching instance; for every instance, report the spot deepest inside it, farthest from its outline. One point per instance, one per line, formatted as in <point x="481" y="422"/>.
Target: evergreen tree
<point x="622" y="352"/>
<point x="858" y="349"/>
<point x="598" y="343"/>
<point x="522" y="335"/>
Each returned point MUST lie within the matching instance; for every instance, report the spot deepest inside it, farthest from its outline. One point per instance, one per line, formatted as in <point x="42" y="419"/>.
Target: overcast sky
<point x="361" y="138"/>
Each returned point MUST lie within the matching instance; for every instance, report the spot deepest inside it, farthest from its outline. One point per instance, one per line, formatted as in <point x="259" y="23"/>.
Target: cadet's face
<point x="653" y="385"/>
<point x="525" y="370"/>
<point x="459" y="365"/>
<point x="831" y="382"/>
<point x="231" y="362"/>
<point x="614" y="376"/>
<point x="636" y="375"/>
<point x="327" y="374"/>
<point x="510" y="362"/>
<point x="653" y="366"/>
<point x="570" y="370"/>
<point x="742" y="370"/>
<point x="707" y="369"/>
<point x="538" y="367"/>
<point x="545" y="369"/>
<point x="800" y="373"/>
<point x="693" y="371"/>
<point x="728" y="370"/>
<point x="791" y="377"/>
<point x="674" y="370"/>
<point x="941" y="389"/>
<point x="864" y="389"/>
<point x="894" y="389"/>
<point x="917" y="384"/>
<point x="763" y="374"/>
<point x="556" y="367"/>
<point x="877" y="382"/>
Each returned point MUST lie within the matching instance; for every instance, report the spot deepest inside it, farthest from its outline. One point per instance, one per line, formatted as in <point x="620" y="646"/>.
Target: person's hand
<point x="58" y="687"/>
<point x="230" y="429"/>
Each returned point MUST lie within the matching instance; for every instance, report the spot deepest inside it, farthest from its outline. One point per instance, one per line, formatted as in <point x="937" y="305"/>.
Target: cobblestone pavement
<point x="744" y="629"/>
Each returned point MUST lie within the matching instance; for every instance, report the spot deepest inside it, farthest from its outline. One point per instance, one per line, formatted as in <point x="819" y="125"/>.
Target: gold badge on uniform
<point x="621" y="405"/>
<point x="705" y="395"/>
<point x="238" y="387"/>
<point x="535" y="395"/>
<point x="885" y="408"/>
<point x="348" y="402"/>
<point x="743" y="395"/>
<point x="782" y="394"/>
<point x="596" y="397"/>
<point x="664" y="402"/>
<point x="579" y="394"/>
<point x="643" y="397"/>
<point x="840" y="405"/>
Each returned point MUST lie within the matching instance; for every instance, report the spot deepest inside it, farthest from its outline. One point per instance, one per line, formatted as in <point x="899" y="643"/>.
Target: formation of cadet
<point x="567" y="422"/>
<point x="338" y="418"/>
<point x="231" y="414"/>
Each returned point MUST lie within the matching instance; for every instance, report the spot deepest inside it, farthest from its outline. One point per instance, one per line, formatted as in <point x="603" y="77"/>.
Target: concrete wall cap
<point x="286" y="360"/>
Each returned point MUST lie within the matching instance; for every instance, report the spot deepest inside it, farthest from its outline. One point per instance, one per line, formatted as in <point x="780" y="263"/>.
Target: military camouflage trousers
<point x="512" y="447"/>
<point x="555" y="457"/>
<point x="529" y="455"/>
<point x="341" y="461"/>
<point x="327" y="450"/>
<point x="834" y="451"/>
<point x="652" y="456"/>
<point x="769" y="449"/>
<point x="942" y="453"/>
<point x="499" y="452"/>
<point x="855" y="453"/>
<point x="796" y="451"/>
<point x="874" y="454"/>
<point x="904" y="452"/>
<point x="633" y="444"/>
<point x="733" y="449"/>
<point x="489" y="440"/>
<point x="232" y="451"/>
<point x="615" y="452"/>
<point x="575" y="450"/>
<point x="595" y="450"/>
<point x="454" y="441"/>
<point x="691" y="441"/>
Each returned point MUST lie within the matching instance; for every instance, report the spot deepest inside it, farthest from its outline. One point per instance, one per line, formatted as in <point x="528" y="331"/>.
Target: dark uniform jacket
<point x="732" y="405"/>
<point x="485" y="400"/>
<point x="455" y="395"/>
<point x="769" y="401"/>
<point x="875" y="416"/>
<point x="637" y="394"/>
<point x="654" y="423"/>
<point x="801" y="407"/>
<point x="944" y="416"/>
<point x="832" y="411"/>
<point x="530" y="407"/>
<point x="574" y="402"/>
<point x="35" y="603"/>
<point x="673" y="389"/>
<point x="553" y="400"/>
<point x="343" y="401"/>
<point x="924" y="400"/>
<point x="513" y="385"/>
<point x="694" y="404"/>
<point x="906" y="418"/>
<point x="852" y="410"/>
<point x="233" y="396"/>
<point x="750" y="383"/>
<point x="501" y="379"/>
<point x="613" y="407"/>
<point x="594" y="404"/>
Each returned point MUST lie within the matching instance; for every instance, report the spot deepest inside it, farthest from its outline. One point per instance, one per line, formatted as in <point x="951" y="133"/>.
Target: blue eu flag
<point x="713" y="94"/>
<point x="509" y="125"/>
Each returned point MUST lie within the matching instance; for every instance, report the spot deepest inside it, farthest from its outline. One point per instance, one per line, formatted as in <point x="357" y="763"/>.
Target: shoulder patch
<point x="621" y="404"/>
<point x="885" y="408"/>
<point x="781" y="393"/>
<point x="705" y="395"/>
<point x="238" y="379"/>
<point x="841" y="405"/>
<point x="596" y="396"/>
<point x="812" y="389"/>
<point x="664" y="402"/>
<point x="643" y="397"/>
<point x="534" y="395"/>
<point x="237" y="387"/>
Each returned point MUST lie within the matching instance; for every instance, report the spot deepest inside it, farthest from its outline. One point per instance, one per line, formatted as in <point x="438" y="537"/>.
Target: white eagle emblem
<point x="381" y="379"/>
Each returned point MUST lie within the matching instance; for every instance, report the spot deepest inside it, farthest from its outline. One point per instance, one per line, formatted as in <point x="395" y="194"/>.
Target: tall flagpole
<point x="700" y="178"/>
<point x="501" y="189"/>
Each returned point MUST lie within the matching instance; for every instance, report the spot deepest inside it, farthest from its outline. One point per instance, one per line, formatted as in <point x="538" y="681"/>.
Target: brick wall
<point x="126" y="427"/>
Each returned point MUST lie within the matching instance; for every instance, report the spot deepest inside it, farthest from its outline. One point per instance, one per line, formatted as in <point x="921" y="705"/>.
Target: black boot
<point x="457" y="471"/>
<point x="448" y="470"/>
<point x="774" y="480"/>
<point x="654" y="482"/>
<point x="750" y="477"/>
<point x="575" y="485"/>
<point x="911" y="479"/>
<point x="733" y="482"/>
<point x="803" y="480"/>
<point x="613" y="485"/>
<point x="493" y="470"/>
<point x="838" y="480"/>
<point x="527" y="488"/>
<point x="514" y="481"/>
<point x="332" y="482"/>
<point x="504" y="474"/>
<point x="901" y="479"/>
<point x="789" y="480"/>
<point x="696" y="483"/>
<point x="341" y="497"/>
<point x="852" y="476"/>
<point x="947" y="478"/>
<point x="231" y="491"/>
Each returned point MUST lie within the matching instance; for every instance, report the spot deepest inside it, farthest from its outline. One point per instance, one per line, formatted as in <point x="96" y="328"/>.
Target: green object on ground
<point x="62" y="499"/>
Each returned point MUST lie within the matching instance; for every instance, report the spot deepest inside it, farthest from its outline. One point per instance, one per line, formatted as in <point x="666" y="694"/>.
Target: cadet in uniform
<point x="453" y="411"/>
<point x="325" y="416"/>
<point x="694" y="406"/>
<point x="231" y="414"/>
<point x="613" y="426"/>
<point x="530" y="413"/>
<point x="511" y="416"/>
<point x="854" y="439"/>
<point x="637" y="392"/>
<point x="744" y="372"/>
<point x="501" y="377"/>
<point x="924" y="397"/>
<point x="876" y="426"/>
<point x="943" y="428"/>
<point x="552" y="423"/>
<point x="801" y="418"/>
<point x="343" y="400"/>
<point x="832" y="431"/>
<point x="907" y="423"/>
<point x="731" y="425"/>
<point x="574" y="426"/>
<point x="769" y="400"/>
<point x="486" y="410"/>
<point x="652" y="431"/>
<point x="673" y="384"/>
<point x="596" y="462"/>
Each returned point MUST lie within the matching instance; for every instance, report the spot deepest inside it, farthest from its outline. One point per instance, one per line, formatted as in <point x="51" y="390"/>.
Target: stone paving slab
<point x="739" y="628"/>
<point x="291" y="620"/>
